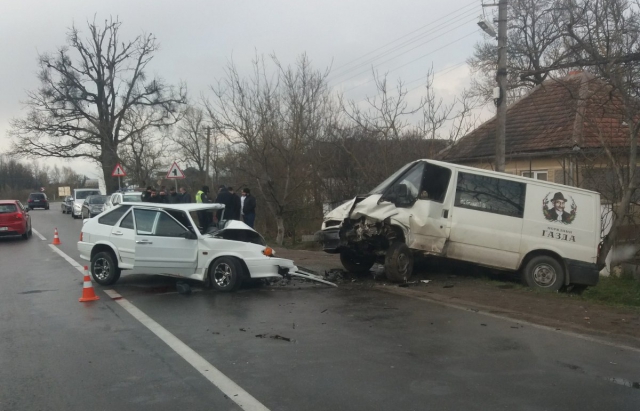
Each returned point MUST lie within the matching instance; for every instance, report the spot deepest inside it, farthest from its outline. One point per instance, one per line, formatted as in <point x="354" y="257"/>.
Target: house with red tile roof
<point x="559" y="132"/>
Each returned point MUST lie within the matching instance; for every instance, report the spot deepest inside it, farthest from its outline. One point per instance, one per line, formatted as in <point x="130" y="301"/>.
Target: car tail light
<point x="81" y="235"/>
<point x="19" y="216"/>
<point x="30" y="200"/>
<point x="269" y="252"/>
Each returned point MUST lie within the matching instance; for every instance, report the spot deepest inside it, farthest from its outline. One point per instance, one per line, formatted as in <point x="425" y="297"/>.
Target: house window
<point x="537" y="175"/>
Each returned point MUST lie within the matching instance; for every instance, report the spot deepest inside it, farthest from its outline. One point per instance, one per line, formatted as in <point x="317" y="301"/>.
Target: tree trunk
<point x="280" y="223"/>
<point x="108" y="160"/>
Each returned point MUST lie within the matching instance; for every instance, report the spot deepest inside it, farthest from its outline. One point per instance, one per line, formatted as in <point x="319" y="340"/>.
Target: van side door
<point x="487" y="220"/>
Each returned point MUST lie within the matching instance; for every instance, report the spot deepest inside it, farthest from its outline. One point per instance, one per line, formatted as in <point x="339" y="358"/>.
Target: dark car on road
<point x="93" y="205"/>
<point x="14" y="219"/>
<point x="38" y="200"/>
<point x="67" y="205"/>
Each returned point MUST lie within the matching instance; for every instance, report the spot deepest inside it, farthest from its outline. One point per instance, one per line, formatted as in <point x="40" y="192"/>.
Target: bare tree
<point x="272" y="119"/>
<point x="87" y="89"/>
<point x="191" y="138"/>
<point x="605" y="33"/>
<point x="535" y="40"/>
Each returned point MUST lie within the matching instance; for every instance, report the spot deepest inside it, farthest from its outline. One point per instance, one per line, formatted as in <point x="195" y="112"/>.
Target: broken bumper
<point x="330" y="239"/>
<point x="269" y="266"/>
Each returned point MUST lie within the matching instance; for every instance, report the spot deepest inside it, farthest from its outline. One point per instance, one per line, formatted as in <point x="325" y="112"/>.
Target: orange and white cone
<point x="56" y="239"/>
<point x="87" y="289"/>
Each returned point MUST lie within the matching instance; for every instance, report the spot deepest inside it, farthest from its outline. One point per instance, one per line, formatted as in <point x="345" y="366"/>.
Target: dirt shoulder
<point x="497" y="294"/>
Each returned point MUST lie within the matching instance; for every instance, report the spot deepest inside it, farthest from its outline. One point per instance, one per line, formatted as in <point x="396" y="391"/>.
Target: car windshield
<point x="383" y="186"/>
<point x="97" y="200"/>
<point x="8" y="208"/>
<point x="131" y="198"/>
<point x="81" y="195"/>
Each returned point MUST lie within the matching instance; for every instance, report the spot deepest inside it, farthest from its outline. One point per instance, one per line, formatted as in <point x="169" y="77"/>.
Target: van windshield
<point x="386" y="183"/>
<point x="81" y="195"/>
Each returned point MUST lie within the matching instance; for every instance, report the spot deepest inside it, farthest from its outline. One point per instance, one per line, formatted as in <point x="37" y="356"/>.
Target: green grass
<point x="615" y="291"/>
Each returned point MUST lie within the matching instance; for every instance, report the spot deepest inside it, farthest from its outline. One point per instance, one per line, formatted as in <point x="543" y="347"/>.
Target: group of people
<point x="236" y="207"/>
<point x="151" y="195"/>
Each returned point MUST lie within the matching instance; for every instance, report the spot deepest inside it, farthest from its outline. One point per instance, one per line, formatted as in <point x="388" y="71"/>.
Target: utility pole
<point x="501" y="77"/>
<point x="207" y="154"/>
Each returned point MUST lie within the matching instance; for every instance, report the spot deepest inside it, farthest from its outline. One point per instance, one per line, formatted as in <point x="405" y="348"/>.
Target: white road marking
<point x="40" y="236"/>
<point x="517" y="321"/>
<point x="211" y="373"/>
<point x="232" y="390"/>
<point x="70" y="260"/>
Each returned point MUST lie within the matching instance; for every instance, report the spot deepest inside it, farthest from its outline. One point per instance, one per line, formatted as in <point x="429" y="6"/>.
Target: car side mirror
<point x="190" y="236"/>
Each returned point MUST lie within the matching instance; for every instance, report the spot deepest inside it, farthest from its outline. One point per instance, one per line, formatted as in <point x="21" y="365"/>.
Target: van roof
<point x="507" y="176"/>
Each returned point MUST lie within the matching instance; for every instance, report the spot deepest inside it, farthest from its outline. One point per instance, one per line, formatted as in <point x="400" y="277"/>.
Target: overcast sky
<point x="199" y="37"/>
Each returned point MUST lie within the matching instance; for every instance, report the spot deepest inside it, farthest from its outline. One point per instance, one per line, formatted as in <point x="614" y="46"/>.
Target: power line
<point x="406" y="35"/>
<point x="459" y="17"/>
<point x="410" y="62"/>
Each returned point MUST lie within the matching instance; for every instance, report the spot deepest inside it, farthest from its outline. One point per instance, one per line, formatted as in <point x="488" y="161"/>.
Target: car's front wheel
<point x="398" y="262"/>
<point x="225" y="274"/>
<point x="104" y="268"/>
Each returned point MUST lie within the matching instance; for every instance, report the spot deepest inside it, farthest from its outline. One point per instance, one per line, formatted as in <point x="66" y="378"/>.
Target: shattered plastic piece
<point x="425" y="281"/>
<point x="279" y="337"/>
<point x="312" y="277"/>
<point x="243" y="329"/>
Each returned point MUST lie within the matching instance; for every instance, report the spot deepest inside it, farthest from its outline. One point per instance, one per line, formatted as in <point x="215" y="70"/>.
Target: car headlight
<point x="77" y="207"/>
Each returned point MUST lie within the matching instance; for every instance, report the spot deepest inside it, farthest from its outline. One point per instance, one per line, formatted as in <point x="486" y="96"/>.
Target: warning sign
<point x="118" y="171"/>
<point x="175" y="172"/>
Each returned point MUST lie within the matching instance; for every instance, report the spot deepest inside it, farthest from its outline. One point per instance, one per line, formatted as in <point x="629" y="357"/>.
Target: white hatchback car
<point x="167" y="239"/>
<point x="119" y="197"/>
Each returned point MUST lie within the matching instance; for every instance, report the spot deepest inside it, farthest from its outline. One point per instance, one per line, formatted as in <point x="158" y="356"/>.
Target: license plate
<point x="4" y="228"/>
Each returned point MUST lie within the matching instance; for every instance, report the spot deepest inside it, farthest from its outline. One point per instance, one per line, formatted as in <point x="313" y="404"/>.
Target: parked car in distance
<point x="168" y="239"/>
<point x="548" y="232"/>
<point x="120" y="197"/>
<point x="38" y="200"/>
<point x="14" y="219"/>
<point x="67" y="204"/>
<point x="93" y="205"/>
<point x="79" y="195"/>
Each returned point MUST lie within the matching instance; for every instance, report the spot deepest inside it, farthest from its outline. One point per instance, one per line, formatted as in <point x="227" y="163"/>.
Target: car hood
<point x="78" y="202"/>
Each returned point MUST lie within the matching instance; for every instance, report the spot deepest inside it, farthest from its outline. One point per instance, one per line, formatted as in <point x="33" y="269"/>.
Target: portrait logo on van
<point x="554" y="208"/>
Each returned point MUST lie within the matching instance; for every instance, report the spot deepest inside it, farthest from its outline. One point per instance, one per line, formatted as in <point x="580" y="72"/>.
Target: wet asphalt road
<point x="349" y="350"/>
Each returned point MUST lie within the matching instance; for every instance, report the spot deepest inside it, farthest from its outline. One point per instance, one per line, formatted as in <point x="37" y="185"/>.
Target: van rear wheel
<point x="355" y="263"/>
<point x="398" y="263"/>
<point x="544" y="273"/>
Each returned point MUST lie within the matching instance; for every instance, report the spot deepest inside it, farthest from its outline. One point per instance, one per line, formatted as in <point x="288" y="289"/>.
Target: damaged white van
<point x="549" y="232"/>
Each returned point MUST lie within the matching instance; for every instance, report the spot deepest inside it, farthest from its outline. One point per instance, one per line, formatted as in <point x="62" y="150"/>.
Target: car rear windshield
<point x="98" y="200"/>
<point x="132" y="198"/>
<point x="81" y="195"/>
<point x="36" y="195"/>
<point x="8" y="208"/>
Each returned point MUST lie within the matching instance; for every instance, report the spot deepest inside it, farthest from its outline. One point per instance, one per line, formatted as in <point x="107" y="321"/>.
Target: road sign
<point x="42" y="189"/>
<point x="118" y="171"/>
<point x="175" y="172"/>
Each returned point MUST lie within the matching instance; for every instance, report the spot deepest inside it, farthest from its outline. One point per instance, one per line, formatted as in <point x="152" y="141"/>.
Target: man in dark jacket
<point x="226" y="198"/>
<point x="173" y="197"/>
<point x="146" y="196"/>
<point x="236" y="205"/>
<point x="185" y="197"/>
<point x="249" y="208"/>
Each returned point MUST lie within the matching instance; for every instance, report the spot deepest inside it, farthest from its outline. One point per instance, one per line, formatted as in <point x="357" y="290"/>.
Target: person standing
<point x="185" y="197"/>
<point x="146" y="196"/>
<point x="173" y="197"/>
<point x="226" y="198"/>
<point x="249" y="207"/>
<point x="162" y="194"/>
<point x="242" y="197"/>
<point x="202" y="196"/>
<point x="237" y="205"/>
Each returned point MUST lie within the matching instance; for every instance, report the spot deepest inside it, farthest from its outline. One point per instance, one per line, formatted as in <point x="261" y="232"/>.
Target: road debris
<point x="243" y="329"/>
<point x="325" y="310"/>
<point x="274" y="337"/>
<point x="425" y="281"/>
<point x="309" y="276"/>
<point x="448" y="285"/>
<point x="183" y="288"/>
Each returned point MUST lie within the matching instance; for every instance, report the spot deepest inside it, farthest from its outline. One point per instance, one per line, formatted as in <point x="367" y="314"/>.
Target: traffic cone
<point x="87" y="289"/>
<point x="56" y="239"/>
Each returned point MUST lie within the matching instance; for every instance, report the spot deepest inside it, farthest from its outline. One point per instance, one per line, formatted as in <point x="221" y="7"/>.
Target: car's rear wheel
<point x="398" y="262"/>
<point x="544" y="273"/>
<point x="356" y="263"/>
<point x="104" y="268"/>
<point x="225" y="274"/>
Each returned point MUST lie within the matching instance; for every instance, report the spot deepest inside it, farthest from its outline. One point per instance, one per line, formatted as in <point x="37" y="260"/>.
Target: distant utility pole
<point x="500" y="92"/>
<point x="501" y="77"/>
<point x="207" y="154"/>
